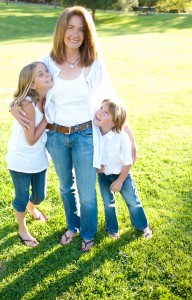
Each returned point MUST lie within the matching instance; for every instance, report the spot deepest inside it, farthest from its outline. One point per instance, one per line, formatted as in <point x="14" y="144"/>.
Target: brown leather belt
<point x="69" y="130"/>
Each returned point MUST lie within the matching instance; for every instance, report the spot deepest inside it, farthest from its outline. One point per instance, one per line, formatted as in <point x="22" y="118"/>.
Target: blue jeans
<point x="129" y="194"/>
<point x="70" y="151"/>
<point x="22" y="183"/>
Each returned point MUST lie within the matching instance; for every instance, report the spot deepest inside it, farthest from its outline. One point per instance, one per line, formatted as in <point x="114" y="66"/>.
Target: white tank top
<point x="71" y="99"/>
<point x="22" y="157"/>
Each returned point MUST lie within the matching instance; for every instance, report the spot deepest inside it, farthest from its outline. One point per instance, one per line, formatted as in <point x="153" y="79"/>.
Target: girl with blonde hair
<point x="27" y="158"/>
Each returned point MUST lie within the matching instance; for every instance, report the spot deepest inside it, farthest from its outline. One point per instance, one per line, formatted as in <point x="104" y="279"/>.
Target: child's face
<point x="103" y="118"/>
<point x="42" y="79"/>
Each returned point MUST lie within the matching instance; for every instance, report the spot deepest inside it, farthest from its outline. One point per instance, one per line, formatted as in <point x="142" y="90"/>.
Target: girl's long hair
<point x="89" y="47"/>
<point x="26" y="78"/>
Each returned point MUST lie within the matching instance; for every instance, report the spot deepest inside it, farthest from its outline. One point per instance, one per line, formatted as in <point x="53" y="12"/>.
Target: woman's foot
<point x="147" y="233"/>
<point x="87" y="245"/>
<point x="114" y="236"/>
<point x="28" y="240"/>
<point x="67" y="237"/>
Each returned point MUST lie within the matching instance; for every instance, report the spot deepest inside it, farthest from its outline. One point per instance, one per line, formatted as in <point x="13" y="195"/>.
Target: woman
<point x="81" y="83"/>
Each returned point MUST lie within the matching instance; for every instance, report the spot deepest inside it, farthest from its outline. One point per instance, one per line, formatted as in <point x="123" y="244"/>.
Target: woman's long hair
<point x="89" y="47"/>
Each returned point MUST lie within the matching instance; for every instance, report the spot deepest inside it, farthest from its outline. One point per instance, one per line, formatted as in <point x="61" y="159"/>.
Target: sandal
<point x="42" y="217"/>
<point x="86" y="245"/>
<point x="34" y="242"/>
<point x="35" y="212"/>
<point x="68" y="239"/>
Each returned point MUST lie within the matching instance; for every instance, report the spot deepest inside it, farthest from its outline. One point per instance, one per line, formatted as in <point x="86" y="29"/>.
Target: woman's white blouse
<point x="100" y="88"/>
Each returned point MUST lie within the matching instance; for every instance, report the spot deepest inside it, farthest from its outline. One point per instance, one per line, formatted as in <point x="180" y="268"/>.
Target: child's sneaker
<point x="147" y="233"/>
<point x="114" y="236"/>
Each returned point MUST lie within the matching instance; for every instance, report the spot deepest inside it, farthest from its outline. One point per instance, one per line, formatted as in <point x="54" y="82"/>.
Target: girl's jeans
<point x="22" y="183"/>
<point x="70" y="151"/>
<point x="129" y="194"/>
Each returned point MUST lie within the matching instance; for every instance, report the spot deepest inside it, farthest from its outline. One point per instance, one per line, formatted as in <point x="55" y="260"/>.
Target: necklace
<point x="71" y="65"/>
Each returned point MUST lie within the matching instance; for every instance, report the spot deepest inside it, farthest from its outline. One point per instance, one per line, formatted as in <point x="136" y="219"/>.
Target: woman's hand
<point x="134" y="151"/>
<point x="19" y="114"/>
<point x="133" y="143"/>
<point x="101" y="169"/>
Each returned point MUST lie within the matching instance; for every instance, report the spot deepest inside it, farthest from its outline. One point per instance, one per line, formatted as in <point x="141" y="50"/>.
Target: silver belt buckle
<point x="69" y="132"/>
<point x="54" y="127"/>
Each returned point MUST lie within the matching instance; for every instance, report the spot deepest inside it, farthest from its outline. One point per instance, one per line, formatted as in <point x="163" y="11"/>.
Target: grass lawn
<point x="149" y="59"/>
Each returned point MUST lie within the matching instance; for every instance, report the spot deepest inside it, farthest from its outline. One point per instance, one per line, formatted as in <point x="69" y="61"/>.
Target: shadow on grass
<point x="27" y="27"/>
<point x="7" y="242"/>
<point x="60" y="259"/>
<point x="121" y="25"/>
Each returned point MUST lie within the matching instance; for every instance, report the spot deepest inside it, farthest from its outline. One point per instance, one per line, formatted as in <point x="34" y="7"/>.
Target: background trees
<point x="172" y="5"/>
<point x="126" y="5"/>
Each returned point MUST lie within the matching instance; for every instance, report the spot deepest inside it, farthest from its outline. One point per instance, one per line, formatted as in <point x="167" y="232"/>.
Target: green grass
<point x="149" y="59"/>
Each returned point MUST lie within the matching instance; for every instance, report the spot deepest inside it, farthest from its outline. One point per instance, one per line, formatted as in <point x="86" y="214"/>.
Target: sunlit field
<point x="149" y="59"/>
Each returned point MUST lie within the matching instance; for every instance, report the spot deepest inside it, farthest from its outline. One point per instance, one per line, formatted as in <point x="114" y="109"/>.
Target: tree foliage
<point x="127" y="5"/>
<point x="172" y="5"/>
<point x="101" y="4"/>
<point x="148" y="2"/>
<point x="166" y="5"/>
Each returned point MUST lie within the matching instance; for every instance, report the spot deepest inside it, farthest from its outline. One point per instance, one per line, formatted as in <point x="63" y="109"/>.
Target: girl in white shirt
<point x="114" y="174"/>
<point x="27" y="158"/>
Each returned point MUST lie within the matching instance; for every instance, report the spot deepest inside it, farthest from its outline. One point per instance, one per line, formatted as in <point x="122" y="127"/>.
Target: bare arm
<point x="33" y="133"/>
<point x="117" y="184"/>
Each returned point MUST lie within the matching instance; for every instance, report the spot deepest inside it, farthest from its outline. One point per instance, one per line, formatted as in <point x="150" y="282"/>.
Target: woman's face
<point x="74" y="34"/>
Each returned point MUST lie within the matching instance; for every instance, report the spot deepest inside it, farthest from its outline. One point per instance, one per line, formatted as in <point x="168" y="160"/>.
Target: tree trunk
<point x="93" y="13"/>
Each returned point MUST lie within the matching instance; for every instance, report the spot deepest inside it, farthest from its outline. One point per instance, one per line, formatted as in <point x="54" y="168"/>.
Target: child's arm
<point x="117" y="184"/>
<point x="32" y="134"/>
